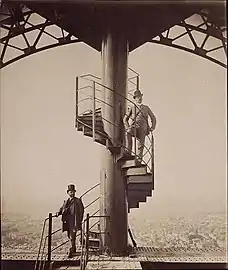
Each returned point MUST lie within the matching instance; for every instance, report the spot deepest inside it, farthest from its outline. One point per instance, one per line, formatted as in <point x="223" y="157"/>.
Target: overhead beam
<point x="125" y="2"/>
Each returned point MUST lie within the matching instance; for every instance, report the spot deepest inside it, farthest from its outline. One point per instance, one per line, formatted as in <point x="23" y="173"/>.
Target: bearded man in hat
<point x="139" y="120"/>
<point x="72" y="212"/>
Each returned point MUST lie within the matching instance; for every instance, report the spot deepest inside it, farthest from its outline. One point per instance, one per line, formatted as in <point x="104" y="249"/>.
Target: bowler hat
<point x="71" y="188"/>
<point x="137" y="93"/>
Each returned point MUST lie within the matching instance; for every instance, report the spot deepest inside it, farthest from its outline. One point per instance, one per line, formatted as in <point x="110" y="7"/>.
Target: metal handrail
<point x="89" y="74"/>
<point x="94" y="224"/>
<point x="133" y="71"/>
<point x="85" y="244"/>
<point x="41" y="262"/>
<point x="60" y="229"/>
<point x="135" y="106"/>
<point x="92" y="202"/>
<point x="102" y="101"/>
<point x="118" y="94"/>
<point x="133" y="151"/>
<point x="52" y="233"/>
<point x="41" y="240"/>
<point x="89" y="190"/>
<point x="123" y="130"/>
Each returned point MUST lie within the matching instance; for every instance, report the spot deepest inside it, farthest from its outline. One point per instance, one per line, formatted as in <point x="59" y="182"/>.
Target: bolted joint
<point x="30" y="49"/>
<point x="200" y="51"/>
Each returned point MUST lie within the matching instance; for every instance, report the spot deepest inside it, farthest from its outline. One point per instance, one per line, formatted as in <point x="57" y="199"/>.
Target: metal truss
<point x="24" y="32"/>
<point x="198" y="35"/>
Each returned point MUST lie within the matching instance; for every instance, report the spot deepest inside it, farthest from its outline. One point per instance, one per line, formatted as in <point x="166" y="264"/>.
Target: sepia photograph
<point x="113" y="134"/>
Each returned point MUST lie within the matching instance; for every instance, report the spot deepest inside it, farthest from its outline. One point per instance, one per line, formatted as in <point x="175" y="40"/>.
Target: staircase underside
<point x="139" y="22"/>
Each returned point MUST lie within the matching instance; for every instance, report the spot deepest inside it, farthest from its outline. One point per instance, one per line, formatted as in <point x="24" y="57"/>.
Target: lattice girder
<point x="199" y="37"/>
<point x="24" y="32"/>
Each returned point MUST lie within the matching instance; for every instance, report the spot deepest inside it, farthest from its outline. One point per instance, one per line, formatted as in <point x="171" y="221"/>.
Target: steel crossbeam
<point x="24" y="32"/>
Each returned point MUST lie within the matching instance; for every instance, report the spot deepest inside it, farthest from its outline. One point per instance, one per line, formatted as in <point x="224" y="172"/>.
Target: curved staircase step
<point x="89" y="130"/>
<point x="98" y="138"/>
<point x="93" y="242"/>
<point x="138" y="193"/>
<point x="90" y="112"/>
<point x="140" y="186"/>
<point x="94" y="234"/>
<point x="128" y="163"/>
<point x="135" y="171"/>
<point x="89" y="119"/>
<point x="123" y="158"/>
<point x="145" y="188"/>
<point x="146" y="178"/>
<point x="86" y="127"/>
<point x="137" y="198"/>
<point x="133" y="204"/>
<point x="98" y="122"/>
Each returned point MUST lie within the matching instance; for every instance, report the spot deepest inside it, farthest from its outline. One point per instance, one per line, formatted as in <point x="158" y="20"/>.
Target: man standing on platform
<point x="139" y="124"/>
<point x="72" y="213"/>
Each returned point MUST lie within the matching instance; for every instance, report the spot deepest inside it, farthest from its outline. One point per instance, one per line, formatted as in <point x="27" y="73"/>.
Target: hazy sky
<point x="42" y="152"/>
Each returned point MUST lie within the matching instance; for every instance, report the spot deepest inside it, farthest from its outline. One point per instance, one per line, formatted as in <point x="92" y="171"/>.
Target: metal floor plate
<point x="142" y="254"/>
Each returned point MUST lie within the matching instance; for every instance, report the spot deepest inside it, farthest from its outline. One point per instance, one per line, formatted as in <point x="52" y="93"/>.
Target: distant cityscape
<point x="195" y="231"/>
<point x="21" y="233"/>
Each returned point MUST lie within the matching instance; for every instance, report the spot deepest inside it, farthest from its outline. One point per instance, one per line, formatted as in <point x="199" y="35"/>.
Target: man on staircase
<point x="138" y="126"/>
<point x="72" y="213"/>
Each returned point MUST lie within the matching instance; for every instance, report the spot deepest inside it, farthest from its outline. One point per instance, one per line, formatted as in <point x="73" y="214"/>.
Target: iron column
<point x="113" y="194"/>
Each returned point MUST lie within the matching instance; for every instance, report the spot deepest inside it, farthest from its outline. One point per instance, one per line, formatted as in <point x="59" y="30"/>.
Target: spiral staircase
<point x="90" y="121"/>
<point x="139" y="178"/>
<point x="139" y="185"/>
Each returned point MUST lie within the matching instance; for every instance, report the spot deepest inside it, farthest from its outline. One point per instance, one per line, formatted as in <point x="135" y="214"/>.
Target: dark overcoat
<point x="67" y="215"/>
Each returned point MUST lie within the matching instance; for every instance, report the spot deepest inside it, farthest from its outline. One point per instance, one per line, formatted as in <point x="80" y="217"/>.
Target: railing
<point x="93" y="98"/>
<point x="85" y="235"/>
<point x="133" y="81"/>
<point x="44" y="259"/>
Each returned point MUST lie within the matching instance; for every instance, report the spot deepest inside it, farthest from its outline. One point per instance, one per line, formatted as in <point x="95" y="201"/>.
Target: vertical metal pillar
<point x="113" y="194"/>
<point x="49" y="238"/>
<point x="87" y="239"/>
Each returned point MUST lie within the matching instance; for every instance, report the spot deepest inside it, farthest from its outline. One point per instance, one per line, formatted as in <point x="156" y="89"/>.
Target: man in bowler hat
<point x="72" y="212"/>
<point x="139" y="121"/>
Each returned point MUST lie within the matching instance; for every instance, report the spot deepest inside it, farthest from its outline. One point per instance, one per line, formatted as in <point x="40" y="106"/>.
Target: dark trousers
<point x="72" y="236"/>
<point x="140" y="136"/>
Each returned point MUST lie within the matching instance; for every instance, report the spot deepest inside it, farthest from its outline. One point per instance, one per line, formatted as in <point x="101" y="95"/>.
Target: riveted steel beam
<point x="25" y="32"/>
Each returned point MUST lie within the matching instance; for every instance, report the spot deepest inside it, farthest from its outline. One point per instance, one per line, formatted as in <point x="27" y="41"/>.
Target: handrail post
<point x="82" y="248"/>
<point x="76" y="100"/>
<point x="87" y="238"/>
<point x="49" y="238"/>
<point x="94" y="109"/>
<point x="137" y="82"/>
<point x="152" y="154"/>
<point x="135" y="132"/>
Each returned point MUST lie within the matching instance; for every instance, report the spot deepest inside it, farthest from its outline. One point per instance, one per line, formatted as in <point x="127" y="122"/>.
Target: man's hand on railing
<point x="129" y="130"/>
<point x="151" y="129"/>
<point x="56" y="214"/>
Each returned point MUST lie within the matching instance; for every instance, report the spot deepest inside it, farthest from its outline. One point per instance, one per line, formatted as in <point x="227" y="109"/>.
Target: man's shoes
<point x="126" y="153"/>
<point x="72" y="253"/>
<point x="138" y="161"/>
